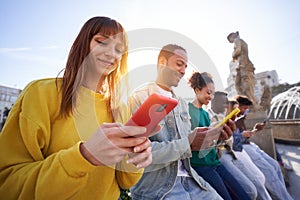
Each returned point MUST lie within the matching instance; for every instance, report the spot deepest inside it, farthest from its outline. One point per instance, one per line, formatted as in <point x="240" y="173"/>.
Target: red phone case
<point x="151" y="112"/>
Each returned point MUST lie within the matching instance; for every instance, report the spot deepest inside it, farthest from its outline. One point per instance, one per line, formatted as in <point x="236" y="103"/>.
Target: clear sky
<point x="36" y="35"/>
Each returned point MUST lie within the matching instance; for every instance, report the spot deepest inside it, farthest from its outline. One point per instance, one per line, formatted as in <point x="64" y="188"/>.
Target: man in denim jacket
<point x="170" y="175"/>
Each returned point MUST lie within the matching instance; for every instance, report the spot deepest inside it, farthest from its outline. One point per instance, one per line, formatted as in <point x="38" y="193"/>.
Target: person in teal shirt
<point x="206" y="161"/>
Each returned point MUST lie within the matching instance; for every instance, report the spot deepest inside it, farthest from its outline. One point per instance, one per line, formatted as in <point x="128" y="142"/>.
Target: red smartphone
<point x="151" y="112"/>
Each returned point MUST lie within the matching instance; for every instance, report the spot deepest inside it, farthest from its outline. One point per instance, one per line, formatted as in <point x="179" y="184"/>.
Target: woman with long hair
<point x="206" y="161"/>
<point x="63" y="138"/>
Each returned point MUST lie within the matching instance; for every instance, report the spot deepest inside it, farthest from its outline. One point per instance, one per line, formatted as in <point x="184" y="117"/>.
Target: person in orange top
<point x="63" y="138"/>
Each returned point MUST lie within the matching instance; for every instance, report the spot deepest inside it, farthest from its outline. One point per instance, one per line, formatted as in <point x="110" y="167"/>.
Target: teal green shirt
<point x="200" y="118"/>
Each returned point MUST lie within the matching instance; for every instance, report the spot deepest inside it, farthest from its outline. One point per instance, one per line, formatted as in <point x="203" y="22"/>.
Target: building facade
<point x="269" y="78"/>
<point x="8" y="97"/>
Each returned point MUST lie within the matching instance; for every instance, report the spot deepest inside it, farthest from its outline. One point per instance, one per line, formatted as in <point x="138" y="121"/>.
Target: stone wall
<point x="264" y="138"/>
<point x="286" y="130"/>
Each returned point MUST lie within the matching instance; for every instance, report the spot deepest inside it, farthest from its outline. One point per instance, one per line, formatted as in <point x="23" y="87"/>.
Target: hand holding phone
<point x="151" y="112"/>
<point x="259" y="126"/>
<point x="229" y="116"/>
<point x="266" y="120"/>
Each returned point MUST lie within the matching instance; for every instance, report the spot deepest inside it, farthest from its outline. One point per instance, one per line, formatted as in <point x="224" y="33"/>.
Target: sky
<point x="36" y="36"/>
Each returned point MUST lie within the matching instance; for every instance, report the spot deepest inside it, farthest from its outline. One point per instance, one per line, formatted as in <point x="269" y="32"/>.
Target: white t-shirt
<point x="181" y="170"/>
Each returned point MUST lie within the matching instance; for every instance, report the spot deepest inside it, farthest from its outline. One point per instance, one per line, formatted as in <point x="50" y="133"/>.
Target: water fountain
<point x="284" y="115"/>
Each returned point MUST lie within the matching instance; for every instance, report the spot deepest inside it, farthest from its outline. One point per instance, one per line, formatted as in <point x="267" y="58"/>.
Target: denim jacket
<point x="239" y="140"/>
<point x="169" y="146"/>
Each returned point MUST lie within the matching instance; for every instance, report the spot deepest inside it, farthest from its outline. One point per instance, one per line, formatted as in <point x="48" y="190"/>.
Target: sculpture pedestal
<point x="264" y="138"/>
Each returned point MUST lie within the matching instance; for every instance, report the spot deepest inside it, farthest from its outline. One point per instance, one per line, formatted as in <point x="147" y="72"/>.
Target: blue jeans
<point x="271" y="169"/>
<point x="186" y="188"/>
<point x="223" y="182"/>
<point x="243" y="168"/>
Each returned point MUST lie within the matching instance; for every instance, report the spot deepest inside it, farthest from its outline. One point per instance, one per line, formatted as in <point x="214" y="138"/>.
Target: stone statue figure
<point x="244" y="80"/>
<point x="266" y="97"/>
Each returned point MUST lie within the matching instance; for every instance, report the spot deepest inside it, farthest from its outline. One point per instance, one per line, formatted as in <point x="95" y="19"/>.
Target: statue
<point x="244" y="80"/>
<point x="266" y="97"/>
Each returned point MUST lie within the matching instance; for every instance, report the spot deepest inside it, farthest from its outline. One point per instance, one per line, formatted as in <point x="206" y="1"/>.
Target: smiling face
<point x="171" y="70"/>
<point x="104" y="57"/>
<point x="89" y="66"/>
<point x="206" y="94"/>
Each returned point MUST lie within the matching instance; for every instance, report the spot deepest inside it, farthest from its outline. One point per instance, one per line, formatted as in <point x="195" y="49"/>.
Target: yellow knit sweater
<point x="39" y="151"/>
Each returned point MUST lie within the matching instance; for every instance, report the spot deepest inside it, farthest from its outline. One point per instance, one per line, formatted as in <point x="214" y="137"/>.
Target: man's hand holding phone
<point x="228" y="124"/>
<point x="259" y="126"/>
<point x="231" y="115"/>
<point x="227" y="130"/>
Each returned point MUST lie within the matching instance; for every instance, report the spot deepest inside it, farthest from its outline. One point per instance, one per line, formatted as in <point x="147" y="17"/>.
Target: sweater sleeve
<point x="26" y="170"/>
<point x="127" y="174"/>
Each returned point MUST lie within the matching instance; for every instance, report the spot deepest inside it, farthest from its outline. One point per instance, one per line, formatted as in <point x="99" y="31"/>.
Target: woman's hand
<point x="197" y="137"/>
<point x="113" y="141"/>
<point x="206" y="137"/>
<point x="142" y="156"/>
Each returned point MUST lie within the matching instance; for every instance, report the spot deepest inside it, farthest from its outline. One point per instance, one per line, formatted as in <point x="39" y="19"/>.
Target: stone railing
<point x="286" y="130"/>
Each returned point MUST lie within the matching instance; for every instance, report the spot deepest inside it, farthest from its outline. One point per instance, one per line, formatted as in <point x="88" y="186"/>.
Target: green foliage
<point x="282" y="88"/>
<point x="125" y="195"/>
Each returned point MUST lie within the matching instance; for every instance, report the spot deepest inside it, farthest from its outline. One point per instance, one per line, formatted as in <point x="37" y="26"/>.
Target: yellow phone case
<point x="229" y="116"/>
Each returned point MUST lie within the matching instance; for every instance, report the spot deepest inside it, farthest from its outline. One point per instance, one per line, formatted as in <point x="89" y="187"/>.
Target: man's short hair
<point x="220" y="93"/>
<point x="244" y="100"/>
<point x="232" y="102"/>
<point x="168" y="50"/>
